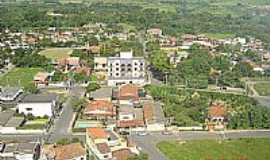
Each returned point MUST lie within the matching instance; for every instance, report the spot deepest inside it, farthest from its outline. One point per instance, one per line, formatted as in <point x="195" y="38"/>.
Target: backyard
<point x="263" y="88"/>
<point x="19" y="77"/>
<point x="39" y="123"/>
<point x="241" y="149"/>
<point x="56" y="53"/>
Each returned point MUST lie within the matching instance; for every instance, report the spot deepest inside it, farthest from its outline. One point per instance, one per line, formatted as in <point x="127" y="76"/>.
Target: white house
<point x="38" y="105"/>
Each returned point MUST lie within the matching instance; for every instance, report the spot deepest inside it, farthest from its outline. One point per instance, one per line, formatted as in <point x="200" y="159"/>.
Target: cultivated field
<point x="56" y="53"/>
<point x="241" y="149"/>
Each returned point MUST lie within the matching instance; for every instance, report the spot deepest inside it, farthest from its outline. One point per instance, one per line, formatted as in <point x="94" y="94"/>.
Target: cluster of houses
<point x="177" y="48"/>
<point x="111" y="113"/>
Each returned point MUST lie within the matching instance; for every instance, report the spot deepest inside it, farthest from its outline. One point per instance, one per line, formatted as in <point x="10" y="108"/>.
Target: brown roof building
<point x="97" y="133"/>
<point x="217" y="110"/>
<point x="100" y="109"/>
<point x="65" y="152"/>
<point x="129" y="92"/>
<point x="122" y="154"/>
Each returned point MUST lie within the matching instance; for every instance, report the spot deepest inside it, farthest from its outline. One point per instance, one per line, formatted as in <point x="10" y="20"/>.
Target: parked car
<point x="166" y="133"/>
<point x="142" y="133"/>
<point x="124" y="132"/>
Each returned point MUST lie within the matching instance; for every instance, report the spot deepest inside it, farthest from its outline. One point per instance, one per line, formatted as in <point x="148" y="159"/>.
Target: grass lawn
<point x="56" y="53"/>
<point x="263" y="88"/>
<point x="32" y="127"/>
<point x="35" y="124"/>
<point x="38" y="121"/>
<point x="22" y="76"/>
<point x="244" y="149"/>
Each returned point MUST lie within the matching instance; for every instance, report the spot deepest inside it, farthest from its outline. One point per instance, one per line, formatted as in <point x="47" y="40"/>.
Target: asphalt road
<point x="264" y="101"/>
<point x="148" y="143"/>
<point x="62" y="125"/>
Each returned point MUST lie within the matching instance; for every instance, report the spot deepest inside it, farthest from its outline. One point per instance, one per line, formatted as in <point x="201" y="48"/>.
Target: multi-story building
<point x="126" y="69"/>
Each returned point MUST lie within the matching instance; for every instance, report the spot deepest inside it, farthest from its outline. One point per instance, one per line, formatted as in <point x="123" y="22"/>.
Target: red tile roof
<point x="129" y="91"/>
<point x="148" y="111"/>
<point x="65" y="152"/>
<point x="217" y="110"/>
<point x="74" y="61"/>
<point x="122" y="154"/>
<point x="103" y="148"/>
<point x="100" y="107"/>
<point x="97" y="133"/>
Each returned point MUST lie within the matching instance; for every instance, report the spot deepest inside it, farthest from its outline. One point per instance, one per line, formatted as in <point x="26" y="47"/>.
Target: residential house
<point x="157" y="32"/>
<point x="41" y="78"/>
<point x="128" y="95"/>
<point x="94" y="49"/>
<point x="21" y="151"/>
<point x="9" y="94"/>
<point x="70" y="63"/>
<point x="100" y="67"/>
<point x="38" y="105"/>
<point x="130" y="118"/>
<point x="266" y="57"/>
<point x="100" y="110"/>
<point x="126" y="69"/>
<point x="153" y="116"/>
<point x="217" y="116"/>
<point x="122" y="154"/>
<point x="97" y="143"/>
<point x="73" y="151"/>
<point x="176" y="57"/>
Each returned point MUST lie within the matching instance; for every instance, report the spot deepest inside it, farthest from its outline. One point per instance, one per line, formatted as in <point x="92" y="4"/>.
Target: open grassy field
<point x="263" y="88"/>
<point x="241" y="149"/>
<point x="56" y="53"/>
<point x="19" y="76"/>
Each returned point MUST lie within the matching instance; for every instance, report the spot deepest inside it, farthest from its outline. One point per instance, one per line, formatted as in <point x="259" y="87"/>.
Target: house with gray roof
<point x="38" y="105"/>
<point x="10" y="93"/>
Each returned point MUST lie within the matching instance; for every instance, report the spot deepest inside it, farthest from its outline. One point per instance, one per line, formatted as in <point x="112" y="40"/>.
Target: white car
<point x="142" y="133"/>
<point x="166" y="133"/>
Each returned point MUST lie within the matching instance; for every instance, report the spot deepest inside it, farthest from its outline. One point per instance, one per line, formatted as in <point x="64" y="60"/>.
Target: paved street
<point x="63" y="123"/>
<point x="148" y="143"/>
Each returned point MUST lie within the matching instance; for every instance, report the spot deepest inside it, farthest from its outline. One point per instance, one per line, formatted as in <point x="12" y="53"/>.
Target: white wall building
<point x="126" y="69"/>
<point x="38" y="105"/>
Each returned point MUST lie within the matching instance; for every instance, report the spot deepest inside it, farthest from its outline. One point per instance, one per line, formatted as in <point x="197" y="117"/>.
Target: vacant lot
<point x="263" y="88"/>
<point x="19" y="76"/>
<point x="56" y="53"/>
<point x="241" y="149"/>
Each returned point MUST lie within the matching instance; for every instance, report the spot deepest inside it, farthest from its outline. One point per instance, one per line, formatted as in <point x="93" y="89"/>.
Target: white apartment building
<point x="124" y="69"/>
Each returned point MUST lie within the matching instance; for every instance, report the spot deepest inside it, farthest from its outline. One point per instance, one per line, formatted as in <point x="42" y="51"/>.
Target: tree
<point x="160" y="60"/>
<point x="31" y="88"/>
<point x="78" y="104"/>
<point x="92" y="87"/>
